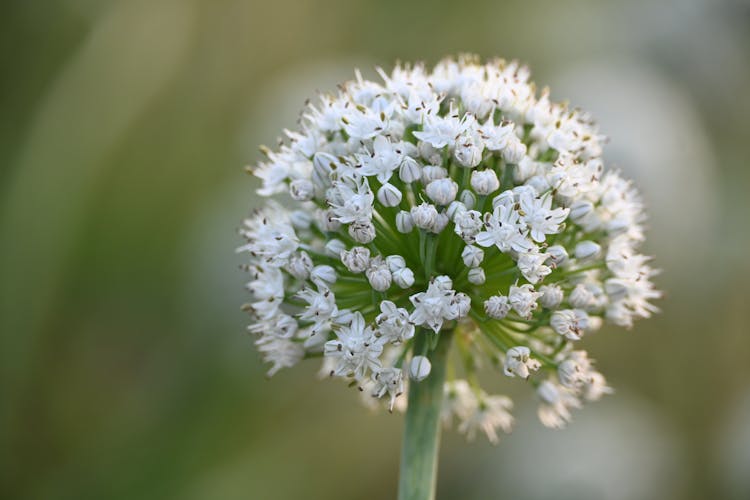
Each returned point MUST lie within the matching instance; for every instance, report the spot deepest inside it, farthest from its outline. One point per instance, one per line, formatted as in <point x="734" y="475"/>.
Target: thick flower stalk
<point x="456" y="203"/>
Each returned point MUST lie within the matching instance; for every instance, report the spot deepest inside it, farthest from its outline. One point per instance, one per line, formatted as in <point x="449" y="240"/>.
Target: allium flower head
<point x="453" y="199"/>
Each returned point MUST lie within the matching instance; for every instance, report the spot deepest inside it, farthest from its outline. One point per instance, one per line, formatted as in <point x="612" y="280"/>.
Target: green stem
<point x="421" y="441"/>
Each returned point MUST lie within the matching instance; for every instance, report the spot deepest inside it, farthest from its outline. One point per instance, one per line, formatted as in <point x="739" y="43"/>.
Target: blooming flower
<point x="438" y="200"/>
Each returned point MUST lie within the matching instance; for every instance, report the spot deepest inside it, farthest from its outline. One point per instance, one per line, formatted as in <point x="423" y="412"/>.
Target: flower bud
<point x="472" y="256"/>
<point x="454" y="208"/>
<point x="378" y="275"/>
<point x="419" y="368"/>
<point x="587" y="250"/>
<point x="389" y="195"/>
<point x="327" y="222"/>
<point x="404" y="222"/>
<point x="581" y="297"/>
<point x="395" y="262"/>
<point x="301" y="190"/>
<point x="497" y="306"/>
<point x="323" y="275"/>
<point x="515" y="150"/>
<point x="468" y="198"/>
<point x="440" y="223"/>
<point x="301" y="219"/>
<point x="580" y="209"/>
<point x="570" y="323"/>
<point x="468" y="151"/>
<point x="356" y="260"/>
<point x="429" y="152"/>
<point x="334" y="248"/>
<point x="476" y="276"/>
<point x="424" y="215"/>
<point x="362" y="232"/>
<point x="409" y="171"/>
<point x="484" y="182"/>
<point x="442" y="191"/>
<point x="552" y="296"/>
<point x="403" y="277"/>
<point x="557" y="255"/>
<point x="432" y="173"/>
<point x="300" y="265"/>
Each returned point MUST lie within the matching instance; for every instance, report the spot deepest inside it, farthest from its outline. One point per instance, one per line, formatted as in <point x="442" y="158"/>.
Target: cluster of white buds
<point x="456" y="199"/>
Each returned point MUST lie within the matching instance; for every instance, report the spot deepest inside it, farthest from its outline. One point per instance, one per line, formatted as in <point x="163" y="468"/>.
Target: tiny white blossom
<point x="518" y="362"/>
<point x="497" y="306"/>
<point x="570" y="323"/>
<point x="388" y="380"/>
<point x="356" y="351"/>
<point x="523" y="299"/>
<point x="393" y="323"/>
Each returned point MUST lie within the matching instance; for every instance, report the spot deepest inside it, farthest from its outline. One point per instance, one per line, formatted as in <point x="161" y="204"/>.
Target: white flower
<point x="515" y="210"/>
<point x="419" y="368"/>
<point x="504" y="230"/>
<point x="351" y="201"/>
<point x="570" y="323"/>
<point x="539" y="216"/>
<point x="497" y="306"/>
<point x="556" y="403"/>
<point x="531" y="265"/>
<point x="389" y="380"/>
<point x="356" y="351"/>
<point x="442" y="191"/>
<point x="468" y="224"/>
<point x="383" y="160"/>
<point x="523" y="299"/>
<point x="432" y="307"/>
<point x="491" y="413"/>
<point x="393" y="323"/>
<point x="518" y="362"/>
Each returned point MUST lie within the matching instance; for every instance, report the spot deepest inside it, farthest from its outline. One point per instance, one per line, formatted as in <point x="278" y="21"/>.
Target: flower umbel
<point x="456" y="199"/>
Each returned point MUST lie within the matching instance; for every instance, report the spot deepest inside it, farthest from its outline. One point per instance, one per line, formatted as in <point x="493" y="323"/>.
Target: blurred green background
<point x="125" y="371"/>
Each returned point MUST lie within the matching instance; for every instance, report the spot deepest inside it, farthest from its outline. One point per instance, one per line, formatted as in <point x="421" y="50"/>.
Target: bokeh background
<point x="125" y="371"/>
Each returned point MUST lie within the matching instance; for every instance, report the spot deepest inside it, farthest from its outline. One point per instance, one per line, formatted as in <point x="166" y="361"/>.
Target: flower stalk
<point x="421" y="441"/>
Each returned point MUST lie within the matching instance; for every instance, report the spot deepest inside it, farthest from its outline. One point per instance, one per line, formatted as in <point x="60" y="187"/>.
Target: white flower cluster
<point x="452" y="199"/>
